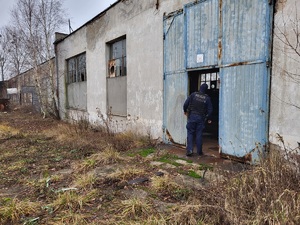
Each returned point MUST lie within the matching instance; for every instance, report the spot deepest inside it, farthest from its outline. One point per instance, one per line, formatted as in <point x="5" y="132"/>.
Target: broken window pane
<point x="117" y="60"/>
<point x="76" y="69"/>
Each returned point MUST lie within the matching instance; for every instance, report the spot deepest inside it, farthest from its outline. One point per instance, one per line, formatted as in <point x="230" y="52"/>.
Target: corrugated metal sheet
<point x="176" y="93"/>
<point x="202" y="31"/>
<point x="245" y="33"/>
<point x="244" y="78"/>
<point x="174" y="43"/>
<point x="243" y="109"/>
<point x="175" y="79"/>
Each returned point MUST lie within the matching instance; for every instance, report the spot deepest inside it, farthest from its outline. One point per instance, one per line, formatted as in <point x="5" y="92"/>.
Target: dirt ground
<point x="52" y="172"/>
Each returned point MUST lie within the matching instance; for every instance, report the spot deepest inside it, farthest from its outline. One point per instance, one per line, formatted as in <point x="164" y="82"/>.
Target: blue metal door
<point x="244" y="74"/>
<point x="175" y="79"/>
<point x="231" y="35"/>
<point x="202" y="34"/>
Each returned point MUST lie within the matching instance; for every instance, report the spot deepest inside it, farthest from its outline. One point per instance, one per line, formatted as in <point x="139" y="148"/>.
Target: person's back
<point x="198" y="104"/>
<point x="198" y="108"/>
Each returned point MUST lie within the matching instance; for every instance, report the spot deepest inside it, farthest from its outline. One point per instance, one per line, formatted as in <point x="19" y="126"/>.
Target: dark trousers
<point x="194" y="126"/>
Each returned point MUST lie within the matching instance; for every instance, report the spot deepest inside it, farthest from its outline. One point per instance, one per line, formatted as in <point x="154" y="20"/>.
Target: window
<point x="76" y="69"/>
<point x="117" y="59"/>
<point x="117" y="78"/>
<point x="27" y="98"/>
<point x="211" y="78"/>
<point x="76" y="80"/>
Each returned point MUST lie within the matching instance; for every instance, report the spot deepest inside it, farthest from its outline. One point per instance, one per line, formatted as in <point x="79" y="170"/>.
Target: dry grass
<point x="13" y="209"/>
<point x="31" y="161"/>
<point x="109" y="156"/>
<point x="70" y="218"/>
<point x="126" y="173"/>
<point x="135" y="208"/>
<point x="85" y="181"/>
<point x="169" y="189"/>
<point x="71" y="200"/>
<point x="7" y="131"/>
<point x="269" y="193"/>
<point x="105" y="157"/>
<point x="129" y="140"/>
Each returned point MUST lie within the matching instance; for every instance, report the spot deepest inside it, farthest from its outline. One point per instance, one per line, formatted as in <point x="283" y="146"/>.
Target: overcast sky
<point x="78" y="11"/>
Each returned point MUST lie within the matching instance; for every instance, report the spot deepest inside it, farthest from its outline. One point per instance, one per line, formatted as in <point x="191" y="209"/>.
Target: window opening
<point x="211" y="79"/>
<point x="76" y="69"/>
<point x="117" y="60"/>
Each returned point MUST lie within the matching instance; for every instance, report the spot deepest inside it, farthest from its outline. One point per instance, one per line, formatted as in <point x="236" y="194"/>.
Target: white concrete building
<point x="137" y="61"/>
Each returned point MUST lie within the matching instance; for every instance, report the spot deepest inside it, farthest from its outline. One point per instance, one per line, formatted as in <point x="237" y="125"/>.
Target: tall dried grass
<point x="268" y="193"/>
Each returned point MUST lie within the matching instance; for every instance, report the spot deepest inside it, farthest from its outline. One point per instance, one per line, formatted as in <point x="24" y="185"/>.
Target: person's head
<point x="203" y="88"/>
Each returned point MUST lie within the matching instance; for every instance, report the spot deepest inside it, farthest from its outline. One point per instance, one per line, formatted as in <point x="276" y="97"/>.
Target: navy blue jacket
<point x="206" y="111"/>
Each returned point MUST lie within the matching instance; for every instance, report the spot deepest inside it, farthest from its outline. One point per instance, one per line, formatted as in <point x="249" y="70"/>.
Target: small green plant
<point x="146" y="152"/>
<point x="170" y="159"/>
<point x="193" y="174"/>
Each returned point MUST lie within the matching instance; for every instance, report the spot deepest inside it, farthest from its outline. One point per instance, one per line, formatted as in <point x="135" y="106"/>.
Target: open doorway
<point x="212" y="79"/>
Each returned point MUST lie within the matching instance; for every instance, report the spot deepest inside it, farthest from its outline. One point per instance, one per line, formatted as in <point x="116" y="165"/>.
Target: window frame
<point x="76" y="69"/>
<point x="117" y="63"/>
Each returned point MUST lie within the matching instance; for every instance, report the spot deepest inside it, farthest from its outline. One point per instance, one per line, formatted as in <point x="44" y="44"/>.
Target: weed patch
<point x="193" y="174"/>
<point x="170" y="159"/>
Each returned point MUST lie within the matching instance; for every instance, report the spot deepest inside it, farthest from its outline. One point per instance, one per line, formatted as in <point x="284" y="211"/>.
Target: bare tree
<point x="3" y="53"/>
<point x="15" y="55"/>
<point x="287" y="44"/>
<point x="50" y="16"/>
<point x="36" y="21"/>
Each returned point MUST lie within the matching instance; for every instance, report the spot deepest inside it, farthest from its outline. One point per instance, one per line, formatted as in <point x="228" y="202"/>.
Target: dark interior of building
<point x="211" y="78"/>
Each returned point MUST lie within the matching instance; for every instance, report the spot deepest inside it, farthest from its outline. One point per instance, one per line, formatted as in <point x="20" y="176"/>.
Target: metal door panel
<point x="244" y="78"/>
<point x="245" y="30"/>
<point x="243" y="110"/>
<point x="202" y="31"/>
<point x="175" y="95"/>
<point x="175" y="79"/>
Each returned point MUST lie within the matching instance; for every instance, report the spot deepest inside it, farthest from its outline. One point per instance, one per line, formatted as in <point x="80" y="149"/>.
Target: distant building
<point x="22" y="89"/>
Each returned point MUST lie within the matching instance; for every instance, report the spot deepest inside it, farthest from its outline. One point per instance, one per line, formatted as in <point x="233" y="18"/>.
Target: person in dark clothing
<point x="198" y="108"/>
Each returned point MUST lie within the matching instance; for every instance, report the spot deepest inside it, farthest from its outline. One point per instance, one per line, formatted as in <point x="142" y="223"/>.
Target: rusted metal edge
<point x="244" y="159"/>
<point x="169" y="137"/>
